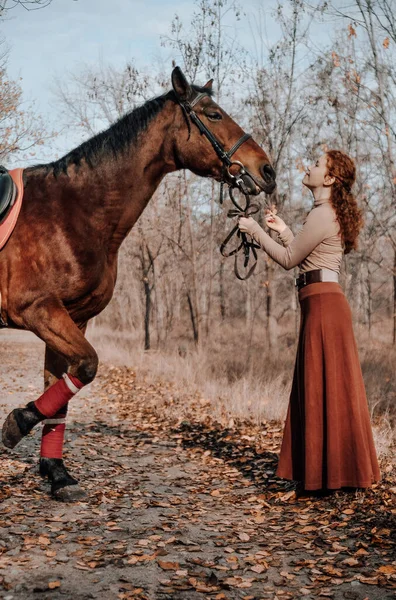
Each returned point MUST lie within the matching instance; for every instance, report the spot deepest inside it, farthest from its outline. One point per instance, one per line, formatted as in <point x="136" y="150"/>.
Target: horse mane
<point x="118" y="137"/>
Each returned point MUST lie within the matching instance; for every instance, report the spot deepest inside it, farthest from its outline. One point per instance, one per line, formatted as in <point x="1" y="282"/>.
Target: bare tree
<point x="21" y="129"/>
<point x="208" y="50"/>
<point x="301" y="99"/>
<point x="374" y="77"/>
<point x="7" y="5"/>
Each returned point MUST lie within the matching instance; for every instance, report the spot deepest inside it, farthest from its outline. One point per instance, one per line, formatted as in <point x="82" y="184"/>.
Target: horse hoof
<point x="19" y="423"/>
<point x="11" y="434"/>
<point x="64" y="487"/>
<point x="69" y="493"/>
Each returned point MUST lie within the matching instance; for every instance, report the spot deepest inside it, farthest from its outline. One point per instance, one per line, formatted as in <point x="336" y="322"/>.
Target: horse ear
<point x="208" y="84"/>
<point x="180" y="84"/>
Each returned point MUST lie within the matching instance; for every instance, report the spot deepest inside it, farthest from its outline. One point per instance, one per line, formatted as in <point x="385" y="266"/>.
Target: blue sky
<point x="47" y="44"/>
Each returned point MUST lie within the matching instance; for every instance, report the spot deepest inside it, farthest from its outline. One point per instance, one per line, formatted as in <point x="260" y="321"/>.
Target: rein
<point x="242" y="181"/>
<point x="238" y="211"/>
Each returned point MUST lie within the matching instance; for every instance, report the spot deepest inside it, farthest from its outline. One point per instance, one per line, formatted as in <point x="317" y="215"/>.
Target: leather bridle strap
<point x="237" y="181"/>
<point x="224" y="155"/>
<point x="243" y="139"/>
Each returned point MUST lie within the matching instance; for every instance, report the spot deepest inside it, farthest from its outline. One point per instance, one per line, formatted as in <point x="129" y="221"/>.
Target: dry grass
<point x="241" y="396"/>
<point x="245" y="381"/>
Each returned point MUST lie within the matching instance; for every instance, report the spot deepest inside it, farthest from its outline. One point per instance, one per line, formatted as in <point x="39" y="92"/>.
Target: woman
<point x="327" y="441"/>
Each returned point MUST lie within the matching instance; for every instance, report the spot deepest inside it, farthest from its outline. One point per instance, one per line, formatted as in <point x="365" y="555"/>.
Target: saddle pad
<point x="7" y="226"/>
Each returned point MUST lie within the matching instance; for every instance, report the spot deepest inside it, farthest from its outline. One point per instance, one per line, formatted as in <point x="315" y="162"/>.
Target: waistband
<point x="322" y="287"/>
<point x="315" y="276"/>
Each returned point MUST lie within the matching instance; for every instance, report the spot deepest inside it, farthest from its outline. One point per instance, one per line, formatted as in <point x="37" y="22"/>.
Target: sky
<point x="50" y="43"/>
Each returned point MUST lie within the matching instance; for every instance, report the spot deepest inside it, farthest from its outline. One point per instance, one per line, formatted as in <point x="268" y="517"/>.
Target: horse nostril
<point x="268" y="173"/>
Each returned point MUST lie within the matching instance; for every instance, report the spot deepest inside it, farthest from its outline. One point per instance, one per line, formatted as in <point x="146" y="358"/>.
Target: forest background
<point x="179" y="313"/>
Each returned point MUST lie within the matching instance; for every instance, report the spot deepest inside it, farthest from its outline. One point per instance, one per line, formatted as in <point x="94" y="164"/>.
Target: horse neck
<point x="110" y="196"/>
<point x="132" y="178"/>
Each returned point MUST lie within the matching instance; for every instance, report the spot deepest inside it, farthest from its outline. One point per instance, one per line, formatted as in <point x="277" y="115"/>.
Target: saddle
<point x="11" y="194"/>
<point x="8" y="192"/>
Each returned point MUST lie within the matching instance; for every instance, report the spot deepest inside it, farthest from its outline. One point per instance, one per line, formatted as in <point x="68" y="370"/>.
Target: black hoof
<point x="19" y="423"/>
<point x="11" y="434"/>
<point x="69" y="493"/>
<point x="64" y="487"/>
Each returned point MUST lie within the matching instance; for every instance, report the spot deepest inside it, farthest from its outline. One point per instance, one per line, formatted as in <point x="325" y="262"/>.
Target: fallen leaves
<point x="54" y="584"/>
<point x="43" y="540"/>
<point x="350" y="562"/>
<point x="361" y="552"/>
<point x="258" y="568"/>
<point x="195" y="505"/>
<point x="239" y="582"/>
<point x="168" y="566"/>
<point x="339" y="548"/>
<point x="387" y="569"/>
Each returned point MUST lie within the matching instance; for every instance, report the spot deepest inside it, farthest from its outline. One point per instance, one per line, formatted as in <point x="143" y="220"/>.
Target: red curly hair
<point x="349" y="215"/>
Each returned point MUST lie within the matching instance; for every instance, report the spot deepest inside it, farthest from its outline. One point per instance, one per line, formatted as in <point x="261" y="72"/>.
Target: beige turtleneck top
<point x="316" y="246"/>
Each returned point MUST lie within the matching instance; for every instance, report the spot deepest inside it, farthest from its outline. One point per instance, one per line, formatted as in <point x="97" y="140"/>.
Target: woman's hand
<point x="273" y="221"/>
<point x="248" y="225"/>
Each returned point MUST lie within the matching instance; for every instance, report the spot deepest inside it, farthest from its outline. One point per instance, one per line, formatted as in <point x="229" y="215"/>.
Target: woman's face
<point x="316" y="175"/>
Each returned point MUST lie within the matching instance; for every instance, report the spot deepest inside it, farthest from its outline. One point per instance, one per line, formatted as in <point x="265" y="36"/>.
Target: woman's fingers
<point x="245" y="224"/>
<point x="242" y="223"/>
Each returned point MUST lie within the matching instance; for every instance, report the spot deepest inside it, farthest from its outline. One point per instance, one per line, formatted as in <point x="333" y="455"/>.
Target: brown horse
<point x="59" y="268"/>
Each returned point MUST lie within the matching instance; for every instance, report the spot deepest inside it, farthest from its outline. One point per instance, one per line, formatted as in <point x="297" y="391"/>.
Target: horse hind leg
<point x="64" y="487"/>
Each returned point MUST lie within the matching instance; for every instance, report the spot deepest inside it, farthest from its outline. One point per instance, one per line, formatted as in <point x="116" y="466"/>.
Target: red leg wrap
<point x="52" y="436"/>
<point x="59" y="394"/>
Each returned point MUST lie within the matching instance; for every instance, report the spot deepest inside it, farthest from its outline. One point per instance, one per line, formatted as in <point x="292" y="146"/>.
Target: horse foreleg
<point x="53" y="430"/>
<point x="50" y="321"/>
<point x="64" y="487"/>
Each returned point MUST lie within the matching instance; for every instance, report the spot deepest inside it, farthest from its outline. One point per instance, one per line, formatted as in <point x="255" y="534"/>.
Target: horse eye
<point x="214" y="116"/>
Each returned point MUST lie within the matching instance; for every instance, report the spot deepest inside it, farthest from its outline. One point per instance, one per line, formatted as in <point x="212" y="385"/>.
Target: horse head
<point x="210" y="143"/>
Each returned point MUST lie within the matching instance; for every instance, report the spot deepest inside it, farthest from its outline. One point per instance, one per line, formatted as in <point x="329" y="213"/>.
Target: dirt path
<point x="174" y="512"/>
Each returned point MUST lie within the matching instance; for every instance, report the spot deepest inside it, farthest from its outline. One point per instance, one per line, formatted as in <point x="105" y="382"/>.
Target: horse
<point x="59" y="268"/>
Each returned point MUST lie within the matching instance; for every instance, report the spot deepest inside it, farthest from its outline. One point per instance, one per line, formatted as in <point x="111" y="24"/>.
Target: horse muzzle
<point x="255" y="186"/>
<point x="269" y="178"/>
<point x="249" y="185"/>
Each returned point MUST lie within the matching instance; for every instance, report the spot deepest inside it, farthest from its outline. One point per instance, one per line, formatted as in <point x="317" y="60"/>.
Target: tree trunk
<point x="394" y="297"/>
<point x="248" y="305"/>
<point x="222" y="295"/>
<point x="369" y="300"/>
<point x="192" y="317"/>
<point x="210" y="283"/>
<point x="193" y="296"/>
<point x="147" y="295"/>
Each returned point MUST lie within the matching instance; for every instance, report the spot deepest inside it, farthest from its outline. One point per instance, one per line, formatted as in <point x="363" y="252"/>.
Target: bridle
<point x="242" y="181"/>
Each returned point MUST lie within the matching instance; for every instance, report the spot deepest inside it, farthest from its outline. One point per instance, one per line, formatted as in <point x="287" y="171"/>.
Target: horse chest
<point x="92" y="303"/>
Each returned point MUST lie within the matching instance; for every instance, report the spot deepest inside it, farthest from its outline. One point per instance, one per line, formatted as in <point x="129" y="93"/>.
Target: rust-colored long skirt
<point x="327" y="440"/>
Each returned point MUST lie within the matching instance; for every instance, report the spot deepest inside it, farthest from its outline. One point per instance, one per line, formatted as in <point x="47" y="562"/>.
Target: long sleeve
<point x="314" y="231"/>
<point x="286" y="236"/>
